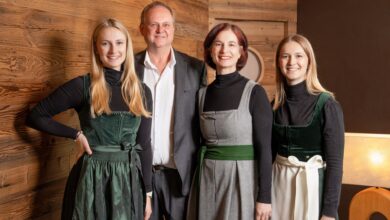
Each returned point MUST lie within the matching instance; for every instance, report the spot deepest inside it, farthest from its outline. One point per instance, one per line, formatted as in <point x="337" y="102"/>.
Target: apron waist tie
<point x="306" y="185"/>
<point x="136" y="174"/>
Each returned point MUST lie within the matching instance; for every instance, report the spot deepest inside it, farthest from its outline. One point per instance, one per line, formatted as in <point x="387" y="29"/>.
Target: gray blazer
<point x="190" y="75"/>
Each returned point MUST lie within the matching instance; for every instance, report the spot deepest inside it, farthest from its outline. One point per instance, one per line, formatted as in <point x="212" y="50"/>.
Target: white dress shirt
<point x="162" y="87"/>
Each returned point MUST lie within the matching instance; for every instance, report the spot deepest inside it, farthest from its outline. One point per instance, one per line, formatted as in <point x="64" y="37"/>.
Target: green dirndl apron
<point x="109" y="182"/>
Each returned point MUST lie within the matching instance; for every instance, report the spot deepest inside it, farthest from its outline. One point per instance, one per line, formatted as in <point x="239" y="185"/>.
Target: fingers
<point x="87" y="149"/>
<point x="80" y="152"/>
<point x="147" y="215"/>
<point x="263" y="211"/>
<point x="85" y="144"/>
<point x="264" y="216"/>
<point x="148" y="208"/>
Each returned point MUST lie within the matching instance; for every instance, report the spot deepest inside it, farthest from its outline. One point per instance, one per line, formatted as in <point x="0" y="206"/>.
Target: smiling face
<point x="225" y="52"/>
<point x="293" y="63"/>
<point x="111" y="47"/>
<point x="158" y="29"/>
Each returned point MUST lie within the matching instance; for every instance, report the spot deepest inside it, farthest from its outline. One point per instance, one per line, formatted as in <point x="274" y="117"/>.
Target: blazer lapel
<point x="180" y="83"/>
<point x="139" y="64"/>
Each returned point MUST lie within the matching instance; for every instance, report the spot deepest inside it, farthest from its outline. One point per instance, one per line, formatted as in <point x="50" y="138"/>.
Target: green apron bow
<point x="135" y="167"/>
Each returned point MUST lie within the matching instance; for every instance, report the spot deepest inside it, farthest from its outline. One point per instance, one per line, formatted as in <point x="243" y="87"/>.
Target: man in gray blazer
<point x="174" y="79"/>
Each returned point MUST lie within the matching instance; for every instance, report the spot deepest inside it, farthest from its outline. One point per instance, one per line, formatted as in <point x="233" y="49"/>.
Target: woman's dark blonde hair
<point x="132" y="91"/>
<point x="313" y="85"/>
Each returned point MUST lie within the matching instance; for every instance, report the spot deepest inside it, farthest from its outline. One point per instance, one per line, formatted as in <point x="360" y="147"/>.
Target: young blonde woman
<point x="308" y="138"/>
<point x="113" y="174"/>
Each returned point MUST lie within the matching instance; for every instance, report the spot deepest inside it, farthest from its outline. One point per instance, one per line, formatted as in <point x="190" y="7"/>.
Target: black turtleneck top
<point x="225" y="94"/>
<point x="297" y="110"/>
<point x="70" y="95"/>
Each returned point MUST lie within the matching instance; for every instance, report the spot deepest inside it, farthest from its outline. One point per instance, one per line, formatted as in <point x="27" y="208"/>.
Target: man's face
<point x="158" y="28"/>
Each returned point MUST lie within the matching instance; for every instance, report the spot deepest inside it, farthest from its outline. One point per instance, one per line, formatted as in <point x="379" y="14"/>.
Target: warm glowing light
<point x="367" y="159"/>
<point x="376" y="158"/>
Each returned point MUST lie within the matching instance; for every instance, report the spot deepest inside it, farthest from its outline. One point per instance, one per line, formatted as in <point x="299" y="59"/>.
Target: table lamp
<point x="367" y="162"/>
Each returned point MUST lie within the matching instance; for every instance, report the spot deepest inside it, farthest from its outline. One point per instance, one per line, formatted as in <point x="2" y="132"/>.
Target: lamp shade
<point x="367" y="159"/>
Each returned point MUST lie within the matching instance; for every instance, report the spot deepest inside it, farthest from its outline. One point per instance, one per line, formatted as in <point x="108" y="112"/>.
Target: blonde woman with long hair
<point x="113" y="174"/>
<point x="307" y="138"/>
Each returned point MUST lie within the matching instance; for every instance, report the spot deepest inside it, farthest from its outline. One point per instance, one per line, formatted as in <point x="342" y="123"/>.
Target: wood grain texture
<point x="46" y="43"/>
<point x="40" y="203"/>
<point x="43" y="44"/>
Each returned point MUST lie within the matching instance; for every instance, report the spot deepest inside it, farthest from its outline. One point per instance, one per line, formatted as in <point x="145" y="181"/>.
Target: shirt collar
<point x="171" y="63"/>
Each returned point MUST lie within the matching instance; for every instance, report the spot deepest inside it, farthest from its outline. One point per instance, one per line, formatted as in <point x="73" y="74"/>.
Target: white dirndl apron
<point x="295" y="188"/>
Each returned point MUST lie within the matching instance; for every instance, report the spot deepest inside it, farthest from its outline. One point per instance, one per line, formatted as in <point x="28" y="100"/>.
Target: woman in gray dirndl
<point x="113" y="173"/>
<point x="233" y="180"/>
<point x="308" y="138"/>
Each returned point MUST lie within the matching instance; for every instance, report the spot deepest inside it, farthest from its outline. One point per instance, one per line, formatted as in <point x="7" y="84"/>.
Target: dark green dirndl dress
<point x="108" y="183"/>
<point x="303" y="142"/>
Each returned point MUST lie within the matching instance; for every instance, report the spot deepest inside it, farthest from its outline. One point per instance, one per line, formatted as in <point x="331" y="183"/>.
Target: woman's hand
<point x="263" y="211"/>
<point x="148" y="208"/>
<point x="324" y="217"/>
<point x="83" y="146"/>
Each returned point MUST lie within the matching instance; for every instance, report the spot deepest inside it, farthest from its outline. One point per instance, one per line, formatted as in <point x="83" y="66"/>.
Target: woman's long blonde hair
<point x="131" y="86"/>
<point x="313" y="85"/>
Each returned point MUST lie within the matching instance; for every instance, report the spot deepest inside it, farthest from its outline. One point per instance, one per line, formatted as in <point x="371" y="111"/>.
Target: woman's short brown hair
<point x="242" y="41"/>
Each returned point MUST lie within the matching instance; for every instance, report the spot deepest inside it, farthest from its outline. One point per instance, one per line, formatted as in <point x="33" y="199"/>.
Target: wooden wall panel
<point x="43" y="44"/>
<point x="42" y="203"/>
<point x="265" y="22"/>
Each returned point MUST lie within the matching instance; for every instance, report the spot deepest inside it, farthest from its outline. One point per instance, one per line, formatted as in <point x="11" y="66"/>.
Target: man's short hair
<point x="153" y="5"/>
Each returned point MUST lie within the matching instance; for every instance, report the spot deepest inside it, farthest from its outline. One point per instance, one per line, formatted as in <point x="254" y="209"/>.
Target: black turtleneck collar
<point x="297" y="92"/>
<point x="225" y="92"/>
<point x="113" y="77"/>
<point x="222" y="81"/>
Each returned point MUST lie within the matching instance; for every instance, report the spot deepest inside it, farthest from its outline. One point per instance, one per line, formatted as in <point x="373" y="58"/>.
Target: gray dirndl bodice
<point x="230" y="127"/>
<point x="228" y="188"/>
